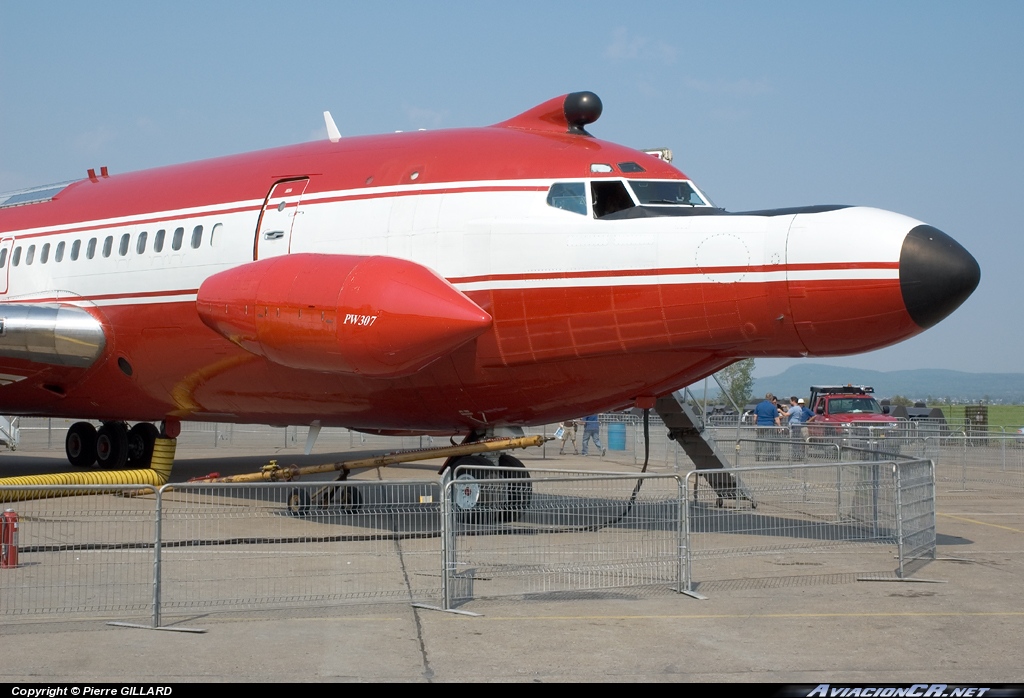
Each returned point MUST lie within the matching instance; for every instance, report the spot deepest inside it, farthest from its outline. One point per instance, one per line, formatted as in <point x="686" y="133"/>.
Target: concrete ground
<point x="964" y="627"/>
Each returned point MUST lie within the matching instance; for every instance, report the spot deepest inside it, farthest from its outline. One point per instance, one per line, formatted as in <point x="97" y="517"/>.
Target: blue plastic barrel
<point x="617" y="436"/>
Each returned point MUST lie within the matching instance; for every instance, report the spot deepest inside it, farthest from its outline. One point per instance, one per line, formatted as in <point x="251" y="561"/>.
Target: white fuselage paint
<point x="465" y="235"/>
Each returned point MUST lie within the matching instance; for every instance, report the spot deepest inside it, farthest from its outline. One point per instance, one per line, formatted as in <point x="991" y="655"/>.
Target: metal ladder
<point x="686" y="428"/>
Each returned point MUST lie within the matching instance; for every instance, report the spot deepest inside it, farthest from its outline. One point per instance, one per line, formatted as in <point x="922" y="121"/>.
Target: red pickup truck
<point x="848" y="410"/>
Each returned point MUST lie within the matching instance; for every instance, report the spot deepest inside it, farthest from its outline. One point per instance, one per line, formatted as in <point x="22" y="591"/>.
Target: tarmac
<point x="963" y="625"/>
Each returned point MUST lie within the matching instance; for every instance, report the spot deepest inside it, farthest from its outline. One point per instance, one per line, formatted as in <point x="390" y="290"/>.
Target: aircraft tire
<point x="345" y="497"/>
<point x="519" y="494"/>
<point x="112" y="445"/>
<point x="472" y="497"/>
<point x="80" y="445"/>
<point x="141" y="440"/>
<point x="298" y="502"/>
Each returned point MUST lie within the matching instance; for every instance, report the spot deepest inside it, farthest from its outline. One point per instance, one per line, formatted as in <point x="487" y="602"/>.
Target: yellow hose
<point x="156" y="475"/>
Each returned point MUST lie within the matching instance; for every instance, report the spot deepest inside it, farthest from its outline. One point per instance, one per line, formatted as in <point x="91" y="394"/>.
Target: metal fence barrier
<point x="249" y="546"/>
<point x="142" y="553"/>
<point x="964" y="462"/>
<point x="844" y="517"/>
<point x="575" y="533"/>
<point x="915" y="520"/>
<point x="82" y="554"/>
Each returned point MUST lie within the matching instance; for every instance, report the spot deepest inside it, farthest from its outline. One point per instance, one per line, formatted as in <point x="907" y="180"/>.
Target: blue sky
<point x="915" y="107"/>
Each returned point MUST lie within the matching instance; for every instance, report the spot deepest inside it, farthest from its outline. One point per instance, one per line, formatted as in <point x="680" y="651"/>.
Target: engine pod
<point x="375" y="316"/>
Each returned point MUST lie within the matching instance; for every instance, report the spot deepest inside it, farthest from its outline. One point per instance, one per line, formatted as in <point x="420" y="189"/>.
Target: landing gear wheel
<point x="141" y="439"/>
<point x="519" y="493"/>
<point x="298" y="502"/>
<point x="470" y="494"/>
<point x="112" y="445"/>
<point x="80" y="445"/>
<point x="344" y="497"/>
<point x="478" y="501"/>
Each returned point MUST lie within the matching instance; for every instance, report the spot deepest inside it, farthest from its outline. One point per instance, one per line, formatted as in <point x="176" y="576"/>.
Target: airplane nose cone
<point x="936" y="275"/>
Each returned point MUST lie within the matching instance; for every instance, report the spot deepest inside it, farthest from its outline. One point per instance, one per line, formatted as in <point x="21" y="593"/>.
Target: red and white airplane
<point x="454" y="281"/>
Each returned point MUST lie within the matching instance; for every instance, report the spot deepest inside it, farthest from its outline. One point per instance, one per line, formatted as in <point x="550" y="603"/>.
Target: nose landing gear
<point x="478" y="500"/>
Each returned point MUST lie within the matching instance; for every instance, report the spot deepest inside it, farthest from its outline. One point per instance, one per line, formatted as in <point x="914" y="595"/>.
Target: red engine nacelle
<point x="376" y="316"/>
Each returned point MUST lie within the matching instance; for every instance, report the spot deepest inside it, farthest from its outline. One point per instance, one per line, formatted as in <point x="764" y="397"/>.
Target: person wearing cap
<point x="806" y="413"/>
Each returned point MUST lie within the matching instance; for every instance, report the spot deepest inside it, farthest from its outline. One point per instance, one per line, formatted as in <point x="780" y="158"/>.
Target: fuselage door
<point x="274" y="230"/>
<point x="6" y="248"/>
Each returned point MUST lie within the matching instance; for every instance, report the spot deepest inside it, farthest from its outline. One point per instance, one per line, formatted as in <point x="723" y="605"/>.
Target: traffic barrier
<point x="147" y="555"/>
<point x="843" y="518"/>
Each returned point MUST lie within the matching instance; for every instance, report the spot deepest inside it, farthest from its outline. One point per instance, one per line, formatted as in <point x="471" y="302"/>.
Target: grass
<point x="1007" y="416"/>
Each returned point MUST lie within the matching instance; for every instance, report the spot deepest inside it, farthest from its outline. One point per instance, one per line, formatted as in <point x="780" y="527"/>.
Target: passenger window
<point x="90" y="250"/>
<point x="58" y="254"/>
<point x="179" y="233"/>
<point x="30" y="254"/>
<point x="213" y="231"/>
<point x="140" y="246"/>
<point x="16" y="259"/>
<point x="158" y="241"/>
<point x="568" y="196"/>
<point x="3" y="257"/>
<point x="123" y="247"/>
<point x="610" y="197"/>
<point x="44" y="253"/>
<point x="108" y="245"/>
<point x="76" y="247"/>
<point x="197" y="237"/>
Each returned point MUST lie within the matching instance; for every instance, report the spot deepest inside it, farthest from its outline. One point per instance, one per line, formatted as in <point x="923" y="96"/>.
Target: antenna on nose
<point x="580" y="109"/>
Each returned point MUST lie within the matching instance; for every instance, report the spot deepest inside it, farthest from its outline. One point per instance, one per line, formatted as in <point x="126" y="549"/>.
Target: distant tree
<point x="901" y="400"/>
<point x="738" y="381"/>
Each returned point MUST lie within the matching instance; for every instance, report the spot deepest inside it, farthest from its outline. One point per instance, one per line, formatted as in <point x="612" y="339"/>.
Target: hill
<point x="916" y="384"/>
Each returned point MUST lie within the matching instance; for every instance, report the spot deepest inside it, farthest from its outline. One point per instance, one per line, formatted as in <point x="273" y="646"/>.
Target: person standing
<point x="592" y="430"/>
<point x="795" y="420"/>
<point x="767" y="419"/>
<point x="569" y="434"/>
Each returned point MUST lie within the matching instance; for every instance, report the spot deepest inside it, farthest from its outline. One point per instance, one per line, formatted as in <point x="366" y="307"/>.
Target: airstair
<point x="9" y="432"/>
<point x="687" y="428"/>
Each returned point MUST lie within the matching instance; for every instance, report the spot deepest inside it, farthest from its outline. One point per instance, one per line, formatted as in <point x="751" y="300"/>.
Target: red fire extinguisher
<point x="9" y="539"/>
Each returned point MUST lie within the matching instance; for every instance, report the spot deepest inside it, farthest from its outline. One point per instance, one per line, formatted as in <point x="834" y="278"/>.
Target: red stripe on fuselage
<point x="168" y="220"/>
<point x="103" y="296"/>
<point x="540" y="276"/>
<point x="527" y="276"/>
<point x="420" y="192"/>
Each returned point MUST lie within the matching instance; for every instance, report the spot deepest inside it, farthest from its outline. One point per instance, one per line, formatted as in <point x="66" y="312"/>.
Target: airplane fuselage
<point x="582" y="295"/>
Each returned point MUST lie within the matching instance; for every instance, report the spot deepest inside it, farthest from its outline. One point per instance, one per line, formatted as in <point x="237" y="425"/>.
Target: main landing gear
<point x="111" y="447"/>
<point x="479" y="500"/>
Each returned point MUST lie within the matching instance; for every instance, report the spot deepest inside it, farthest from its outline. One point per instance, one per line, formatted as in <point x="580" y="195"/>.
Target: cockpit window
<point x="610" y="196"/>
<point x="671" y="193"/>
<point x="631" y="167"/>
<point x="568" y="196"/>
